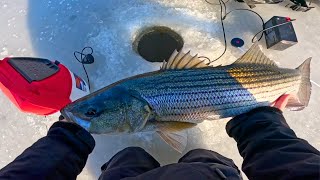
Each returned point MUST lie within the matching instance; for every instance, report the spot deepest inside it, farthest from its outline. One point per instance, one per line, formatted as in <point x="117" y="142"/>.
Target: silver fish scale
<point x="194" y="95"/>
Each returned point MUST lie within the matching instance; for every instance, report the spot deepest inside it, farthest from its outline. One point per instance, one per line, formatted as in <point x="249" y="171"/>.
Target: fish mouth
<point x="83" y="123"/>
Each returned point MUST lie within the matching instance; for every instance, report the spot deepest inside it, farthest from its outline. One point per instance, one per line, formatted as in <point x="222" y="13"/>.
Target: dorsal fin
<point x="255" y="56"/>
<point x="180" y="60"/>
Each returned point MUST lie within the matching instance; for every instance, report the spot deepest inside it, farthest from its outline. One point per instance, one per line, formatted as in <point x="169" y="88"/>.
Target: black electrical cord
<point x="223" y="29"/>
<point x="252" y="40"/>
<point x="215" y="3"/>
<point x="205" y="57"/>
<point x="84" y="60"/>
<point x="222" y="7"/>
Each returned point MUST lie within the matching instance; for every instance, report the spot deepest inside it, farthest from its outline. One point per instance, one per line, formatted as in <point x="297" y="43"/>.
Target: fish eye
<point x="91" y="112"/>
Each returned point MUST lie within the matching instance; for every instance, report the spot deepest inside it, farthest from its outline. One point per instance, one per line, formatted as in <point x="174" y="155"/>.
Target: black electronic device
<point x="280" y="37"/>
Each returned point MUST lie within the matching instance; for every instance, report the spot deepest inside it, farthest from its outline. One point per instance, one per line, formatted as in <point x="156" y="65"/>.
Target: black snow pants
<point x="196" y="164"/>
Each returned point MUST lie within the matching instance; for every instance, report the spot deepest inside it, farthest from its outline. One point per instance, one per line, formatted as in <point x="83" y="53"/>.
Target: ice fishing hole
<point x="157" y="43"/>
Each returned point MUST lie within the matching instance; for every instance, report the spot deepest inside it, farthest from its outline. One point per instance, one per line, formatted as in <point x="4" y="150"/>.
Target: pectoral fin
<point x="172" y="134"/>
<point x="177" y="140"/>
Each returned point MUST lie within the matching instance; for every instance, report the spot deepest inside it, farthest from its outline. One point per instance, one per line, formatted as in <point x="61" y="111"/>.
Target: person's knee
<point x="196" y="152"/>
<point x="205" y="156"/>
<point x="133" y="148"/>
<point x="134" y="151"/>
<point x="129" y="155"/>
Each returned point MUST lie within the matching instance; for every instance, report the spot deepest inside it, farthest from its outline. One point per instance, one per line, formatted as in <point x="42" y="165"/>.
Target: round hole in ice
<point x="157" y="43"/>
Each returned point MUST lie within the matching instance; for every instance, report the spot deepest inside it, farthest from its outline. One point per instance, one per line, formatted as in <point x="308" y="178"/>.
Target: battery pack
<point x="281" y="37"/>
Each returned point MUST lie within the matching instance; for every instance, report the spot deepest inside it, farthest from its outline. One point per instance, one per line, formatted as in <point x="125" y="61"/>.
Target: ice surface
<point x="54" y="29"/>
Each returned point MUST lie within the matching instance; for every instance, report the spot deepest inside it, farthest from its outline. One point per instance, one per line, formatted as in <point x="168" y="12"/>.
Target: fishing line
<point x="85" y="59"/>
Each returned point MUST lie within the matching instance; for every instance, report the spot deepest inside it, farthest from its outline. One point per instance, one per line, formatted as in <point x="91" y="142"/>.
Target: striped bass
<point x="187" y="91"/>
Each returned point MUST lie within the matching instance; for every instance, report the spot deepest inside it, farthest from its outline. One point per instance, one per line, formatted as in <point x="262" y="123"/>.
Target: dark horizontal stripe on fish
<point x="186" y="78"/>
<point x="262" y="87"/>
<point x="171" y="102"/>
<point x="194" y="107"/>
<point x="198" y="75"/>
<point x="198" y="93"/>
<point x="213" y="79"/>
<point x="229" y="104"/>
<point x="214" y="109"/>
<point x="202" y="102"/>
<point x="205" y="102"/>
<point x="211" y="92"/>
<point x="225" y="69"/>
<point x="201" y="84"/>
<point x="219" y="70"/>
<point x="172" y="80"/>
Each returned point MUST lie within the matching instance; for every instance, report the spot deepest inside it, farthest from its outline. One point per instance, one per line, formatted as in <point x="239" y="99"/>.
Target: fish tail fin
<point x="301" y="100"/>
